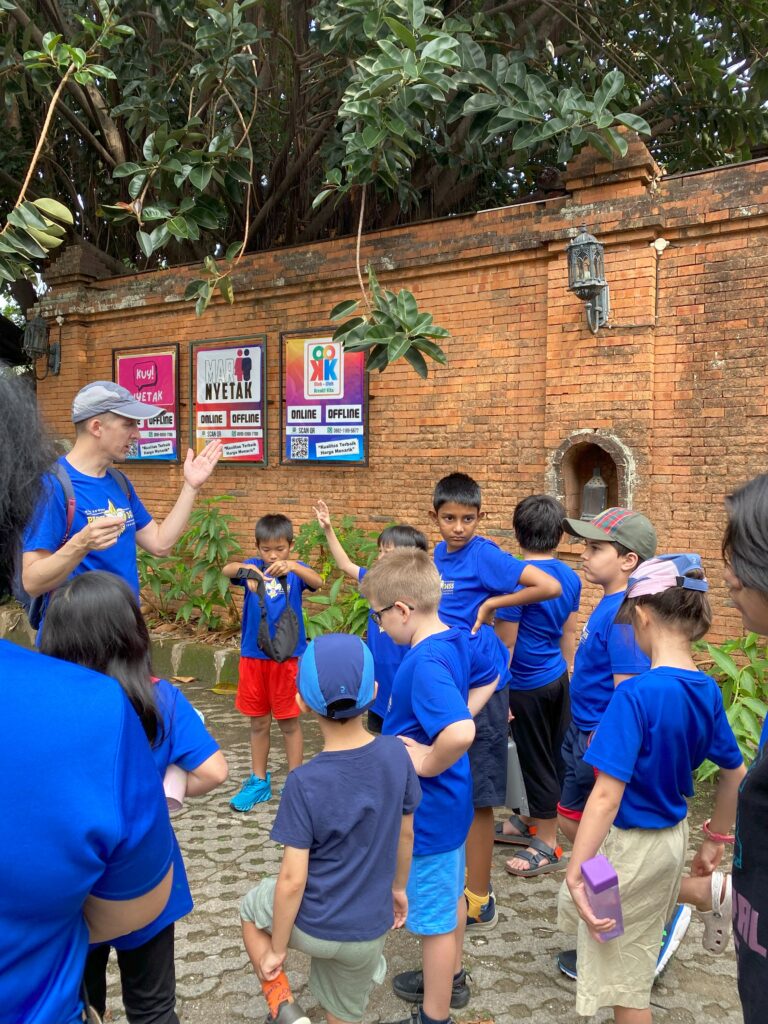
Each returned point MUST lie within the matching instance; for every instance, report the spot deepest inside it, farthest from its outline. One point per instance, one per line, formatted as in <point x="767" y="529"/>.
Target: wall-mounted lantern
<point x="586" y="277"/>
<point x="594" y="497"/>
<point x="36" y="345"/>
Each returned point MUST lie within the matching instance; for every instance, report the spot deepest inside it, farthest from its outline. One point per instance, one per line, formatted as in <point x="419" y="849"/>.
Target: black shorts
<point x="579" y="779"/>
<point x="488" y="753"/>
<point x="538" y="728"/>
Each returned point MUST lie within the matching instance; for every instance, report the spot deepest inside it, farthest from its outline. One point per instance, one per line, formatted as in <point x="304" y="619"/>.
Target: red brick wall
<point x="678" y="377"/>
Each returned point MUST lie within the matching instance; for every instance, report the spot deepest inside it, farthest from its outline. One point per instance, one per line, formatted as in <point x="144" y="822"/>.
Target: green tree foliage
<point x="199" y="130"/>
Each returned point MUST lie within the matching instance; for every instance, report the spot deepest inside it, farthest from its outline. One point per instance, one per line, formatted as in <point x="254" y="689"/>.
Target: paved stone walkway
<point x="514" y="978"/>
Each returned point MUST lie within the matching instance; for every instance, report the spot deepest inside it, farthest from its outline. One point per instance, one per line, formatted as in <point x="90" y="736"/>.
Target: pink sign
<point x="151" y="376"/>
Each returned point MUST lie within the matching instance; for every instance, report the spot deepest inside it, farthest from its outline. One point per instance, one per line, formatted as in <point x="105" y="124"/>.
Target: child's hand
<point x="280" y="568"/>
<point x="270" y="964"/>
<point x="418" y="752"/>
<point x="323" y="514"/>
<point x="578" y="892"/>
<point x="706" y="858"/>
<point x="400" y="907"/>
<point x="484" y="617"/>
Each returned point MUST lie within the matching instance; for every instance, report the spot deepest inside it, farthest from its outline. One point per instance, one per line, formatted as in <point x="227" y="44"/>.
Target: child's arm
<point x="451" y="743"/>
<point x="289" y="893"/>
<point x="339" y="555"/>
<point x="710" y="853"/>
<point x="402" y="870"/>
<point x="208" y="775"/>
<point x="536" y="585"/>
<point x="285" y="565"/>
<point x="507" y="632"/>
<point x="568" y="639"/>
<point x="602" y="807"/>
<point x="479" y="697"/>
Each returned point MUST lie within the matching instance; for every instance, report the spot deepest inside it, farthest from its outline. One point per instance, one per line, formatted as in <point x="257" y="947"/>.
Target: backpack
<point x="281" y="646"/>
<point x="35" y="606"/>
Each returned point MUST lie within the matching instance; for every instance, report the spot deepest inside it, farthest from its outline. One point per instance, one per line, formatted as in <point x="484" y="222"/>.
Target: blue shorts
<point x="434" y="886"/>
<point x="579" y="778"/>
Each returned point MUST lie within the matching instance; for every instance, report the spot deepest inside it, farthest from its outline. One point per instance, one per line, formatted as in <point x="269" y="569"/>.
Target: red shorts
<point x="267" y="687"/>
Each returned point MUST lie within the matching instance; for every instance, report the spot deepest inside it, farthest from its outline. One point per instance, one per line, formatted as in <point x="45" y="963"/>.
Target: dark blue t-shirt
<point x="346" y="808"/>
<point x="472" y="574"/>
<point x="387" y="656"/>
<point x="537" y="658"/>
<point x="82" y="811"/>
<point x="95" y="498"/>
<point x="429" y="693"/>
<point x="657" y="729"/>
<point x="187" y="743"/>
<point x="604" y="650"/>
<point x="274" y="600"/>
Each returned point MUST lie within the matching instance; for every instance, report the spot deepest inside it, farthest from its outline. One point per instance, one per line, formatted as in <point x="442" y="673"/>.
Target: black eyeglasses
<point x="376" y="615"/>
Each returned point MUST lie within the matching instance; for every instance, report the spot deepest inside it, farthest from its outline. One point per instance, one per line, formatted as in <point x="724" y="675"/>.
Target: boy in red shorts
<point x="273" y="639"/>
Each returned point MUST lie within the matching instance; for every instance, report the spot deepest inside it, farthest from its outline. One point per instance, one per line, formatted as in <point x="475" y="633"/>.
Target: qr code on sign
<point x="299" y="447"/>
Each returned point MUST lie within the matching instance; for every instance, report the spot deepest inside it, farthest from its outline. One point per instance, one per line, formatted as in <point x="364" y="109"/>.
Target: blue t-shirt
<point x="429" y="693"/>
<point x="346" y="808"/>
<point x="656" y="731"/>
<point x="274" y="600"/>
<point x="187" y="743"/>
<point x="537" y="658"/>
<point x="95" y="497"/>
<point x="604" y="650"/>
<point x="83" y="812"/>
<point x="472" y="574"/>
<point x="387" y="656"/>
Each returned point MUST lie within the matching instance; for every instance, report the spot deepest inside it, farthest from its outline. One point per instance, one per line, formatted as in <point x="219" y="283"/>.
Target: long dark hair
<point x="94" y="621"/>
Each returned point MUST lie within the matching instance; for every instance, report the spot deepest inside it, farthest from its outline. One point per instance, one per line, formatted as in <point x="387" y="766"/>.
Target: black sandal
<point x="522" y="837"/>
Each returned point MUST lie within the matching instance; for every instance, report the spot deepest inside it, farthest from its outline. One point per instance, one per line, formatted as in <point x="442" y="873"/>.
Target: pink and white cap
<point x="664" y="572"/>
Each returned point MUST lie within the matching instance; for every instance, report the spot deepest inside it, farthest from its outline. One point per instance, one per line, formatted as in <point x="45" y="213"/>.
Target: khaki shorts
<point x="341" y="974"/>
<point x="649" y="863"/>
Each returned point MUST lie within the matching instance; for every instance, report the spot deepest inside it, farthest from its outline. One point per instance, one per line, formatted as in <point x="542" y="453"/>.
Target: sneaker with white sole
<point x="253" y="791"/>
<point x="487" y="918"/>
<point x="672" y="936"/>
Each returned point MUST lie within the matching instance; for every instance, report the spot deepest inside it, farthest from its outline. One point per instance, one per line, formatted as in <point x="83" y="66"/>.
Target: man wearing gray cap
<point x="108" y="519"/>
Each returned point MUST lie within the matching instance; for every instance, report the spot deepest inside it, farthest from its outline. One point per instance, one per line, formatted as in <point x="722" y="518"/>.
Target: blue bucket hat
<point x="337" y="667"/>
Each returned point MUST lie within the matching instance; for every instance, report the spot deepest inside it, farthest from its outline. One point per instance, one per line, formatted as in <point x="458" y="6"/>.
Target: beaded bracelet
<point x="716" y="837"/>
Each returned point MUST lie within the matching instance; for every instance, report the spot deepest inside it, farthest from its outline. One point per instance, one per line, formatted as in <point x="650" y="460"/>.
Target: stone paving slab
<point x="514" y="978"/>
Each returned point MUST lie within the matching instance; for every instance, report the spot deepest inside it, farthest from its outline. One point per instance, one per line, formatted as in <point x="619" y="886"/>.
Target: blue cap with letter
<point x="337" y="667"/>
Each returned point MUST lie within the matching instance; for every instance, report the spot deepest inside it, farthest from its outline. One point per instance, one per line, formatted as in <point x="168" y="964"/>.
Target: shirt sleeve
<point x="626" y="657"/>
<point x="618" y="738"/>
<point x="293" y="821"/>
<point x="361" y="571"/>
<point x="303" y="585"/>
<point x="499" y="571"/>
<point x="437" y="701"/>
<point x="143" y="848"/>
<point x="412" y="797"/>
<point x="577" y="596"/>
<point x="724" y="750"/>
<point x="191" y="743"/>
<point x="141" y="517"/>
<point x="49" y="524"/>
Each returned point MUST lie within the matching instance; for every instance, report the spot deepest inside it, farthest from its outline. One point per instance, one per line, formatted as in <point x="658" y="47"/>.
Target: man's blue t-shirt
<point x="83" y="812"/>
<point x="604" y="650"/>
<point x="274" y="600"/>
<point x="537" y="659"/>
<point x="95" y="498"/>
<point x="429" y="693"/>
<point x="658" y="728"/>
<point x="387" y="656"/>
<point x="187" y="743"/>
<point x="346" y="808"/>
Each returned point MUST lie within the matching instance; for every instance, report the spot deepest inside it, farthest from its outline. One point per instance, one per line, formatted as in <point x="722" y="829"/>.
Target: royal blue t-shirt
<point x="274" y="599"/>
<point x="429" y="693"/>
<point x="187" y="743"/>
<point x="472" y="574"/>
<point x="387" y="656"/>
<point x="658" y="728"/>
<point x="604" y="650"/>
<point x="83" y="812"/>
<point x="346" y="808"/>
<point x="537" y="659"/>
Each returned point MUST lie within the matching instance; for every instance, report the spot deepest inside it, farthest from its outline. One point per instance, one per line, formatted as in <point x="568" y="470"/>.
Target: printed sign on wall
<point x="228" y="397"/>
<point x="151" y="375"/>
<point x="325" y="396"/>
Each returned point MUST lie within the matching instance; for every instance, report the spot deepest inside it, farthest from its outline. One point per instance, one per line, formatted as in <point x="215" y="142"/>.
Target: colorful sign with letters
<point x="324" y="400"/>
<point x="151" y="375"/>
<point x="228" y="397"/>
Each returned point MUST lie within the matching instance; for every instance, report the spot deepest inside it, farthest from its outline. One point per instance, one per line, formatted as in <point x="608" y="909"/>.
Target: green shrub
<point x="741" y="669"/>
<point x="187" y="585"/>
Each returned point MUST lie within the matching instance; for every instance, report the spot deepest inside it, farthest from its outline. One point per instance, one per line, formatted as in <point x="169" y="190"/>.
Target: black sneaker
<point x="410" y="986"/>
<point x="566" y="961"/>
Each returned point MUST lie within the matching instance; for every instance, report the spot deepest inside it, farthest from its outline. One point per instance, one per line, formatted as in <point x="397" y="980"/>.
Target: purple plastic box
<point x="602" y="884"/>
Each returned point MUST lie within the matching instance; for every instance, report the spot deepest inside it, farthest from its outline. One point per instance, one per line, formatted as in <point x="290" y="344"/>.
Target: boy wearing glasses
<point x="429" y="710"/>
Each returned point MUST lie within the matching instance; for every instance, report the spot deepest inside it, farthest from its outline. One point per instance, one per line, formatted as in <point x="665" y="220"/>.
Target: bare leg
<point x="546" y="831"/>
<point x="698" y="891"/>
<point x="293" y="739"/>
<point x="625" y="1015"/>
<point x="461" y="927"/>
<point x="260" y="745"/>
<point x="256" y="941"/>
<point x="480" y="851"/>
<point x="335" y="1020"/>
<point x="439" y="954"/>
<point x="567" y="826"/>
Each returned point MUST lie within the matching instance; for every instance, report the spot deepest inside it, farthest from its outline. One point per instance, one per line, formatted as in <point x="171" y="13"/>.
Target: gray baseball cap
<point x="105" y="396"/>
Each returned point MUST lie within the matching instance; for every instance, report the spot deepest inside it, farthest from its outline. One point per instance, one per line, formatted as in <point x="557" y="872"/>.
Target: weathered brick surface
<point x="678" y="378"/>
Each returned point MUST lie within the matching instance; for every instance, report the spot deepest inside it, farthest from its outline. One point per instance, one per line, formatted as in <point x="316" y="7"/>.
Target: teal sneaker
<point x="253" y="791"/>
